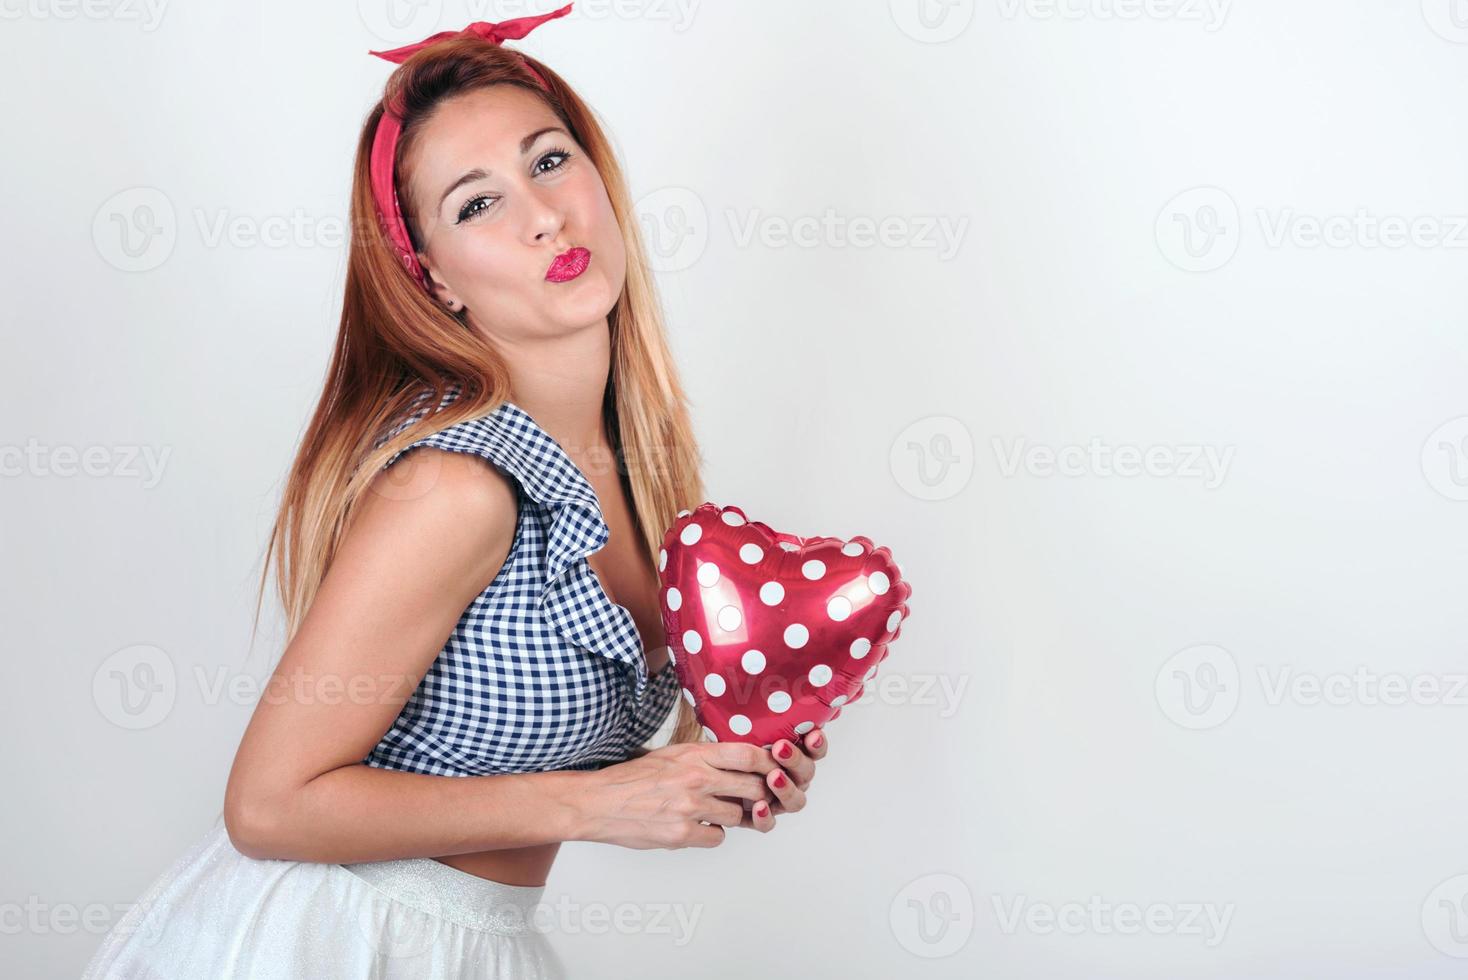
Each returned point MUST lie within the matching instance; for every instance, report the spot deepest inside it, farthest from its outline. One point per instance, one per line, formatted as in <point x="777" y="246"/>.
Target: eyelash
<point x="465" y="214"/>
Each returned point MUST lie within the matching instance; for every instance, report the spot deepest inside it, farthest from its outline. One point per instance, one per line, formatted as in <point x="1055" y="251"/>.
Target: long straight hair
<point x="395" y="345"/>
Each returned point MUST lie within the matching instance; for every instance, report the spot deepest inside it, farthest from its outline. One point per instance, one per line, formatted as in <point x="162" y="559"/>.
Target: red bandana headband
<point x="390" y="126"/>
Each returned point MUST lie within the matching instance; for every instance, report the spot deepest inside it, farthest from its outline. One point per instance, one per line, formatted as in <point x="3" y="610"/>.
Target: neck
<point x="561" y="381"/>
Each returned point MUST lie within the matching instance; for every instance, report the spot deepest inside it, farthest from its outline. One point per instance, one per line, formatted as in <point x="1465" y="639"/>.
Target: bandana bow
<point x="390" y="126"/>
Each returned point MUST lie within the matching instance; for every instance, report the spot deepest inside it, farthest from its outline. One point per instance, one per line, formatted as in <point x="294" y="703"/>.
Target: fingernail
<point x="779" y="780"/>
<point x="762" y="808"/>
<point x="784" y="751"/>
<point x="815" y="740"/>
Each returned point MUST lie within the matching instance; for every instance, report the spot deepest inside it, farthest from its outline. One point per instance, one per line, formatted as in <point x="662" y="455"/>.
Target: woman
<point x="469" y="587"/>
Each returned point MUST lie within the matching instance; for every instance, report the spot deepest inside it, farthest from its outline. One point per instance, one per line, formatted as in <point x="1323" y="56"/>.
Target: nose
<point x="546" y="218"/>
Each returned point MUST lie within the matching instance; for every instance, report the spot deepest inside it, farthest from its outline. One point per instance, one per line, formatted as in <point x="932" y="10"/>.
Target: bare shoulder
<point x="457" y="500"/>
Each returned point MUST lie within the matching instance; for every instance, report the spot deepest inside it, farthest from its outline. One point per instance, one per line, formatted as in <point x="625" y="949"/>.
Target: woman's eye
<point x="471" y="207"/>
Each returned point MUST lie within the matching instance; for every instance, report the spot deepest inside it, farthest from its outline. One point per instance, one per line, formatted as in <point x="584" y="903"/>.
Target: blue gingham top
<point x="543" y="671"/>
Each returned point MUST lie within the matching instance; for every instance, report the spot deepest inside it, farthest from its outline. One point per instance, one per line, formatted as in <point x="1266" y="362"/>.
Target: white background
<point x="1103" y="697"/>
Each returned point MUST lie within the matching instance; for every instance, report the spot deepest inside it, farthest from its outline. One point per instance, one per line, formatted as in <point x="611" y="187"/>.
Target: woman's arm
<point x="429" y="537"/>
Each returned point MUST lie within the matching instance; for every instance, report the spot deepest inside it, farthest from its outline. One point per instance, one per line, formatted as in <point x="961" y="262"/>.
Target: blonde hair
<point x="394" y="344"/>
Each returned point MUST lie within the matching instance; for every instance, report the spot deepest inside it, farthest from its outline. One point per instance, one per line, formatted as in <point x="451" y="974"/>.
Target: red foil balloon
<point x="771" y="633"/>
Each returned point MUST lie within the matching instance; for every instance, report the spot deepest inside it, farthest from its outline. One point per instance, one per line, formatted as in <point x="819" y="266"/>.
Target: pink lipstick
<point x="568" y="265"/>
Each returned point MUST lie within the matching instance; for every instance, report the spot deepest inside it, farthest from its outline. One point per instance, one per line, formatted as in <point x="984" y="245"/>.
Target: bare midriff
<point x="508" y="866"/>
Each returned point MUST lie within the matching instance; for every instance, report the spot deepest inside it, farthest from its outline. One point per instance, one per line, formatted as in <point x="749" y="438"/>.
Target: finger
<point x="761" y="817"/>
<point x="742" y="786"/>
<point x="801" y="767"/>
<point x="725" y="813"/>
<point x="737" y="757"/>
<point x="815" y="743"/>
<point x="706" y="835"/>
<point x="790" y="796"/>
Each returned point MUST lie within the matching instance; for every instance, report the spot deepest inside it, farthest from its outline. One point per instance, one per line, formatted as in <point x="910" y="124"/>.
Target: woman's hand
<point x="789" y="782"/>
<point x="681" y="795"/>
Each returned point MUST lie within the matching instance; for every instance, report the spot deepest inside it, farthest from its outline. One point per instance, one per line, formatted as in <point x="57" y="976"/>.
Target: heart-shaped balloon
<point x="771" y="633"/>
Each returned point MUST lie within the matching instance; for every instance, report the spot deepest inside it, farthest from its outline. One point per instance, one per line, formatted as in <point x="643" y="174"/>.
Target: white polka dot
<point x="692" y="642"/>
<point x="796" y="636"/>
<point x="804" y="727"/>
<point x="838" y="700"/>
<point x="691" y="533"/>
<point x="813" y="569"/>
<point x="739" y="725"/>
<point x="860" y="647"/>
<point x="688" y="696"/>
<point x="851" y="549"/>
<point x="709" y="734"/>
<point x="779" y="702"/>
<point x="772" y="593"/>
<point x="753" y="661"/>
<point x="879" y="583"/>
<point x="662" y="559"/>
<point x="672" y="658"/>
<point x="820" y="675"/>
<point x="838" y="608"/>
<point x="751" y="553"/>
<point x="789" y="547"/>
<point x="894" y="619"/>
<point x="730" y="619"/>
<point x="714" y="684"/>
<point x="708" y="574"/>
<point x="732" y="518"/>
<point x="675" y="598"/>
<point x="684" y="513"/>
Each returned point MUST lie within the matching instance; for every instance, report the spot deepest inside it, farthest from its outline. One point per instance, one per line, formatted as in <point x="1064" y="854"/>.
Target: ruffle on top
<point x="511" y="439"/>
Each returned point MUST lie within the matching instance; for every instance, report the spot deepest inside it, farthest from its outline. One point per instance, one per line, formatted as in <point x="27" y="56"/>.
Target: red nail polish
<point x="815" y="740"/>
<point x="784" y="751"/>
<point x="762" y="809"/>
<point x="779" y="780"/>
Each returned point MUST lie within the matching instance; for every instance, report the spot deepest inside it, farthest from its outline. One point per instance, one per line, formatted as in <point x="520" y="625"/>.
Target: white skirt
<point x="220" y="915"/>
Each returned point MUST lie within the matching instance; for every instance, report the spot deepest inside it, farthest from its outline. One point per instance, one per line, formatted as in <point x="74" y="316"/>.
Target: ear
<point x="445" y="296"/>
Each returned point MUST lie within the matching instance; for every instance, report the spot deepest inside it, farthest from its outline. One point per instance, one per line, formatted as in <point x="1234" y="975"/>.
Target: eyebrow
<point x="479" y="173"/>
